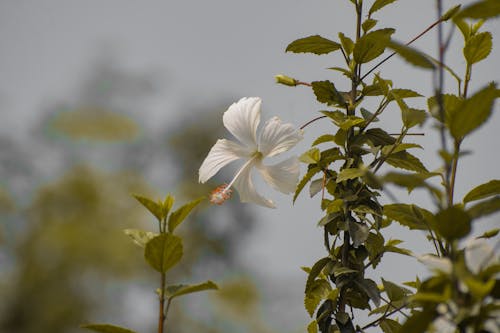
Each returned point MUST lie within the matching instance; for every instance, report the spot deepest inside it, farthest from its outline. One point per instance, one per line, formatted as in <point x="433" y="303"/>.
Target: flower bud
<point x="286" y="80"/>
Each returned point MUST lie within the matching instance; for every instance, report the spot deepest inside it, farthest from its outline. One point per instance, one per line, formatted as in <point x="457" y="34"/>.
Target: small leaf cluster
<point x="162" y="251"/>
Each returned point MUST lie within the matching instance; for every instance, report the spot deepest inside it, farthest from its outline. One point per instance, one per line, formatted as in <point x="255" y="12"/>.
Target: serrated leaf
<point x="311" y="156"/>
<point x="179" y="290"/>
<point x="140" y="237"/>
<point x="372" y="45"/>
<point x="326" y="93"/>
<point x="483" y="191"/>
<point x="412" y="55"/>
<point x="481" y="10"/>
<point x="324" y="138"/>
<point x="450" y="104"/>
<point x="313" y="44"/>
<point x="379" y="137"/>
<point x="177" y="217"/>
<point x="163" y="252"/>
<point x="412" y="117"/>
<point x="478" y="47"/>
<point x="310" y="304"/>
<point x="153" y="207"/>
<point x="379" y="4"/>
<point x="406" y="161"/>
<point x="402" y="93"/>
<point x="369" y="287"/>
<point x="315" y="271"/>
<point x="351" y="173"/>
<point x="106" y="328"/>
<point x="347" y="43"/>
<point x="484" y="208"/>
<point x="307" y="177"/>
<point x="408" y="215"/>
<point x="452" y="223"/>
<point x="389" y="326"/>
<point x="473" y="112"/>
<point x="393" y="291"/>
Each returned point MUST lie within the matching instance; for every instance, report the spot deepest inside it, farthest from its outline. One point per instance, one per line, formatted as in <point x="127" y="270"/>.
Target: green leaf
<point x="163" y="252"/>
<point x="410" y="180"/>
<point x="481" y="10"/>
<point x="450" y="104"/>
<point x="312" y="327"/>
<point x="406" y="161"/>
<point x="307" y="177"/>
<point x="167" y="204"/>
<point x="311" y="303"/>
<point x="368" y="24"/>
<point x="412" y="117"/>
<point x="483" y="191"/>
<point x="323" y="138"/>
<point x="379" y="4"/>
<point x="452" y="223"/>
<point x="412" y="55"/>
<point x="106" y="328"/>
<point x="418" y="322"/>
<point x="389" y="326"/>
<point x="372" y="45"/>
<point x="368" y="116"/>
<point x="179" y="290"/>
<point x="473" y="112"/>
<point x="311" y="156"/>
<point x="313" y="44"/>
<point x="153" y="207"/>
<point x="484" y="208"/>
<point x="490" y="234"/>
<point x="369" y="287"/>
<point x="315" y="271"/>
<point x="347" y="43"/>
<point x="379" y="137"/>
<point x="478" y="47"/>
<point x="351" y="173"/>
<point x="140" y="237"/>
<point x="450" y="13"/>
<point x="180" y="214"/>
<point x="410" y="216"/>
<point x="402" y="93"/>
<point x="326" y="93"/>
<point x="359" y="233"/>
<point x="393" y="291"/>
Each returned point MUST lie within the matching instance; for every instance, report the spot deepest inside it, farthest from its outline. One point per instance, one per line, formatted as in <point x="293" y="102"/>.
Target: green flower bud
<point x="286" y="80"/>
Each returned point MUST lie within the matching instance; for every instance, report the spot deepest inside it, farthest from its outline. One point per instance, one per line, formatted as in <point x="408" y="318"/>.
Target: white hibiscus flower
<point x="242" y="119"/>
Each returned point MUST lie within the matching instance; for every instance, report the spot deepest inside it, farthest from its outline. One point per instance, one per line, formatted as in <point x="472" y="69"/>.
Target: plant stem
<point x="161" y="314"/>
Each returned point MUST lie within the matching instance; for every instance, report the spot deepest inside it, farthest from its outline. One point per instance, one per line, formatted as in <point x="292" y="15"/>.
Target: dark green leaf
<point x="412" y="117"/>
<point x="410" y="216"/>
<point x="452" y="223"/>
<point x="418" y="322"/>
<point x="372" y="45"/>
<point x="307" y="177"/>
<point x="484" y="208"/>
<point x="180" y="214"/>
<point x="483" y="191"/>
<point x="379" y="4"/>
<point x="176" y="291"/>
<point x="315" y="271"/>
<point x="369" y="287"/>
<point x="393" y="291"/>
<point x="150" y="205"/>
<point x="313" y="44"/>
<point x="163" y="252"/>
<point x="368" y="116"/>
<point x="481" y="10"/>
<point x="389" y="326"/>
<point x="379" y="137"/>
<point x="473" y="112"/>
<point x="368" y="24"/>
<point x="412" y="55"/>
<point x="478" y="47"/>
<point x="351" y="173"/>
<point x="140" y="237"/>
<point x="326" y="92"/>
<point x="359" y="233"/>
<point x="406" y="161"/>
<point x="106" y="328"/>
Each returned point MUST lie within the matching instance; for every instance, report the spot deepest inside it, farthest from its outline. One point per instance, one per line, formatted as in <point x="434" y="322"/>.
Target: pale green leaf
<point x="315" y="187"/>
<point x="167" y="204"/>
<point x="176" y="291"/>
<point x="393" y="291"/>
<point x="315" y="271"/>
<point x="483" y="191"/>
<point x="312" y="327"/>
<point x="140" y="237"/>
<point x="410" y="216"/>
<point x="163" y="252"/>
<point x="484" y="208"/>
<point x="452" y="223"/>
<point x="402" y="93"/>
<point x="324" y="138"/>
<point x="311" y="156"/>
<point x="368" y="24"/>
<point x="180" y="214"/>
<point x="412" y="117"/>
<point x="490" y="233"/>
<point x="484" y="9"/>
<point x="305" y="179"/>
<point x="406" y="161"/>
<point x="313" y="44"/>
<point x="310" y="304"/>
<point x="379" y="4"/>
<point x="412" y="56"/>
<point x="347" y="43"/>
<point x="106" y="328"/>
<point x="351" y="173"/>
<point x="478" y="47"/>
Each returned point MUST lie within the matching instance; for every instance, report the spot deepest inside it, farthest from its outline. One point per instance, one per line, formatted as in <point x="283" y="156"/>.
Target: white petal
<point x="242" y="119"/>
<point x="479" y="255"/>
<point x="246" y="189"/>
<point x="222" y="153"/>
<point x="436" y="263"/>
<point x="283" y="176"/>
<point x="277" y="137"/>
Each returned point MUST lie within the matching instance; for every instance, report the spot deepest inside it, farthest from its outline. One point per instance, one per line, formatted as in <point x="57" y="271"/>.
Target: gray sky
<point x="205" y="51"/>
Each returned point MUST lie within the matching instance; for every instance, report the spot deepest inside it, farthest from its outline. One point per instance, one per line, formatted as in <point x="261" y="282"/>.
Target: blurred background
<point x="101" y="99"/>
